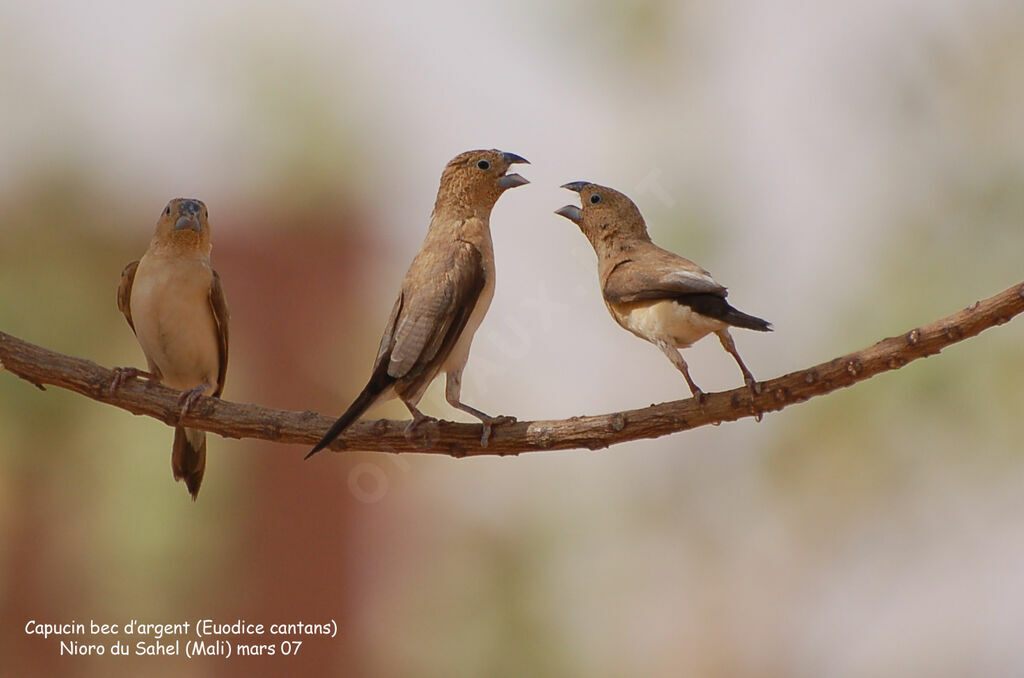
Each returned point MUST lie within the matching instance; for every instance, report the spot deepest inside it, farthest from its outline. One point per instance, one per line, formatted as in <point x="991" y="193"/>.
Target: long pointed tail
<point x="738" y="318"/>
<point x="714" y="306"/>
<point x="188" y="458"/>
<point x="378" y="384"/>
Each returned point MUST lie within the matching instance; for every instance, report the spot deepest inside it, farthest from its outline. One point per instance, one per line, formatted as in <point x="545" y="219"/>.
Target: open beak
<point x="571" y="212"/>
<point x="512" y="180"/>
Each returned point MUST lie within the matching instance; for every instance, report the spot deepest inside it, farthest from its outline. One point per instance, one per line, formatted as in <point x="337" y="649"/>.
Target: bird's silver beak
<point x="513" y="159"/>
<point x="570" y="212"/>
<point x="188" y="221"/>
<point x="512" y="180"/>
<point x="576" y="186"/>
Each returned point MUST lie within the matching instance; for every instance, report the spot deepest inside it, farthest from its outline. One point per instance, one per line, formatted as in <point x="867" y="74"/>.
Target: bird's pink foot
<point x="755" y="390"/>
<point x="189" y="398"/>
<point x="699" y="396"/>
<point x="422" y="430"/>
<point x="491" y="422"/>
<point x="124" y="374"/>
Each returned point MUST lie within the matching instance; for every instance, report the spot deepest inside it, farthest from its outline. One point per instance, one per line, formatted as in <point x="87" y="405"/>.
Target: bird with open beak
<point x="174" y="302"/>
<point x="444" y="296"/>
<point x="655" y="294"/>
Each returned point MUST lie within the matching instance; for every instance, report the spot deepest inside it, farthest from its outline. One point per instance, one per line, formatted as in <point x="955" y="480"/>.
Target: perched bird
<point x="444" y="295"/>
<point x="655" y="294"/>
<point x="175" y="304"/>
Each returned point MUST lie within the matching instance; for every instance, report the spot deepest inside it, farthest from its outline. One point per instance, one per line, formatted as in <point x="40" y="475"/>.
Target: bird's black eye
<point x="594" y="199"/>
<point x="167" y="210"/>
<point x="484" y="165"/>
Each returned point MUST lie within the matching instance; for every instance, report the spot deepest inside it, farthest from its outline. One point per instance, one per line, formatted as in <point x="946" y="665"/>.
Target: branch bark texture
<point x="238" y="420"/>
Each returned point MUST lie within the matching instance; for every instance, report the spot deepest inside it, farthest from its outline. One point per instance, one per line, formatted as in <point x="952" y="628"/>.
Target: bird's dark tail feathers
<point x="377" y="385"/>
<point x="188" y="458"/>
<point x="714" y="306"/>
<point x="740" y="319"/>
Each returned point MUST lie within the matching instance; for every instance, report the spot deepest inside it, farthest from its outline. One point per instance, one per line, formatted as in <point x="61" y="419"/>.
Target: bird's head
<point x="476" y="179"/>
<point x="184" y="223"/>
<point x="606" y="216"/>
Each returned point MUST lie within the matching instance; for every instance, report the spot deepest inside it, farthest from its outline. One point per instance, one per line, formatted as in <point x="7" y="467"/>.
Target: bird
<point x="657" y="295"/>
<point x="174" y="302"/>
<point x="444" y="296"/>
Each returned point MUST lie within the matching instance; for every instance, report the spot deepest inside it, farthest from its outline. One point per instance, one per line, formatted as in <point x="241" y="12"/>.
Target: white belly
<point x="667" y="320"/>
<point x="173" y="320"/>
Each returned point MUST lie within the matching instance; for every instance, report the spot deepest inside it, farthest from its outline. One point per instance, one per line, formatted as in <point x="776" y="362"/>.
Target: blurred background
<point x="848" y="169"/>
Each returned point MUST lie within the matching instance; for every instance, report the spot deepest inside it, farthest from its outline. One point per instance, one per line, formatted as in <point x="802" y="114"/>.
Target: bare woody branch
<point x="235" y="420"/>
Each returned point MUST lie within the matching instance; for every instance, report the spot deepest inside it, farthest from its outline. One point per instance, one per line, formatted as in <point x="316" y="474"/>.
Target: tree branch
<point x="235" y="420"/>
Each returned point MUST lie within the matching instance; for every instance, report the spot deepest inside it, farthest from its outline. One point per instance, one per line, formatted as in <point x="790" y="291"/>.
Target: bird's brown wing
<point x="657" y="274"/>
<point x="219" y="306"/>
<point x="437" y="299"/>
<point x="387" y="340"/>
<point x="124" y="292"/>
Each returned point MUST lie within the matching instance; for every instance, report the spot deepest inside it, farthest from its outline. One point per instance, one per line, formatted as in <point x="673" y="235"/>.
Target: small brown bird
<point x="444" y="295"/>
<point x="174" y="302"/>
<point x="655" y="294"/>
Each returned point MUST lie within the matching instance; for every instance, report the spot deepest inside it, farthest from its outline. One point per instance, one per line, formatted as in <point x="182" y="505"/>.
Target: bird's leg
<point x="188" y="398"/>
<point x="673" y="354"/>
<point x="123" y="374"/>
<point x="729" y="345"/>
<point x="418" y="418"/>
<point x="453" y="394"/>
